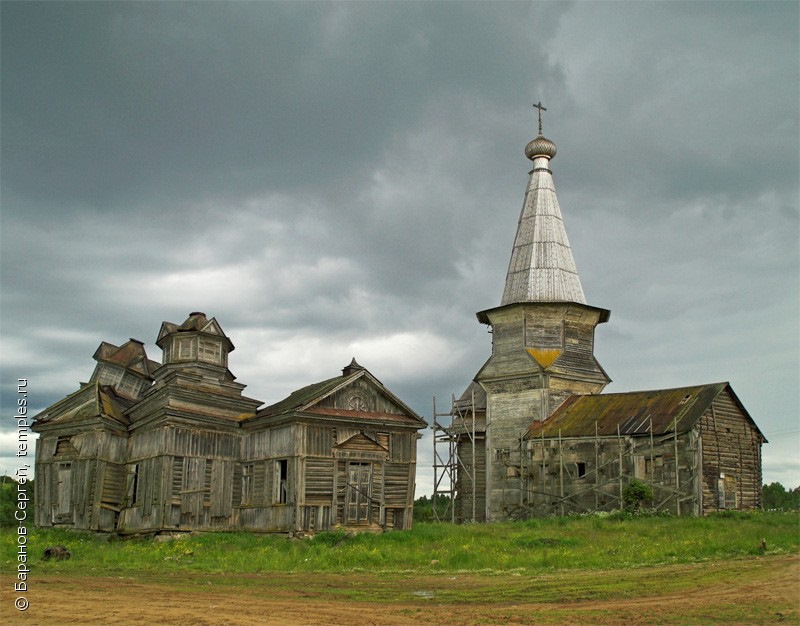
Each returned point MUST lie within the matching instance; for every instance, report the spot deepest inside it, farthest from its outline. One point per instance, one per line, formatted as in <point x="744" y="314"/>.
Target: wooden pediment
<point x="362" y="394"/>
<point x="356" y="395"/>
<point x="360" y="446"/>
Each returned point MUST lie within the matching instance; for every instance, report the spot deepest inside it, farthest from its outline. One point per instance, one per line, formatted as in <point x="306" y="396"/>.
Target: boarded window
<point x="221" y="491"/>
<point x="130" y="385"/>
<point x="112" y="484"/>
<point x="210" y="351"/>
<point x="187" y="349"/>
<point x="319" y="481"/>
<point x="110" y="375"/>
<point x="261" y="484"/>
<point x="247" y="484"/>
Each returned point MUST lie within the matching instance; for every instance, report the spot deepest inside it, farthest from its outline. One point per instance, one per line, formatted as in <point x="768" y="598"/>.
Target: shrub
<point x="636" y="494"/>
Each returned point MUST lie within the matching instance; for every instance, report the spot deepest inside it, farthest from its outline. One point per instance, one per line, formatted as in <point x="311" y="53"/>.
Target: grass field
<point x="532" y="546"/>
<point x="576" y="569"/>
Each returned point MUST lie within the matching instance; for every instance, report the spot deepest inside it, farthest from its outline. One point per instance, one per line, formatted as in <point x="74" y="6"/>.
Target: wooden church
<point x="150" y="447"/>
<point x="533" y="435"/>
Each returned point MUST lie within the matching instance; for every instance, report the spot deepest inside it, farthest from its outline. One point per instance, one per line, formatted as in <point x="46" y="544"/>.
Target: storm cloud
<point x="333" y="180"/>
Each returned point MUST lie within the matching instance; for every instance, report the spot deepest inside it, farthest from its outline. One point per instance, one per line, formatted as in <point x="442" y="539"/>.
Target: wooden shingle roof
<point x="542" y="268"/>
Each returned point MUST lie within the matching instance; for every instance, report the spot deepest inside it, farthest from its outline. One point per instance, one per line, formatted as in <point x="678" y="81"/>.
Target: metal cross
<point x="539" y="106"/>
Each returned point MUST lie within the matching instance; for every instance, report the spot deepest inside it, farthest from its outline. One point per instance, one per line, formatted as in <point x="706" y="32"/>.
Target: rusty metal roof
<point x="632" y="412"/>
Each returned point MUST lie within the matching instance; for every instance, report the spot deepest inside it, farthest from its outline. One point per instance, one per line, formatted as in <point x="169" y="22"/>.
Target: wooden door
<point x="359" y="493"/>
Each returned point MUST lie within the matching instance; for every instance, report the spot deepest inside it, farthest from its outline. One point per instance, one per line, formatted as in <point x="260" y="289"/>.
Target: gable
<point x="361" y="441"/>
<point x="213" y="328"/>
<point x="355" y="396"/>
<point x="91" y="402"/>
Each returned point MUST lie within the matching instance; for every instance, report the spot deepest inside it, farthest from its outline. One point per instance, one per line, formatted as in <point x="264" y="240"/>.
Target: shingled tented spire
<point x="542" y="268"/>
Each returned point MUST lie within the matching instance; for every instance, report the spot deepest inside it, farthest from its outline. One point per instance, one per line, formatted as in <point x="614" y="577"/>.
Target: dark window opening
<point x="581" y="469"/>
<point x="281" y="473"/>
<point x="134" y="485"/>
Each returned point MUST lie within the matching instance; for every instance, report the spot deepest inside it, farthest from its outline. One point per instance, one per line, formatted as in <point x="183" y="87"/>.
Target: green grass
<point x="542" y="545"/>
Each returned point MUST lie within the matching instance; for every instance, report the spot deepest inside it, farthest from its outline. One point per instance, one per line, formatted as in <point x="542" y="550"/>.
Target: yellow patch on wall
<point x="544" y="356"/>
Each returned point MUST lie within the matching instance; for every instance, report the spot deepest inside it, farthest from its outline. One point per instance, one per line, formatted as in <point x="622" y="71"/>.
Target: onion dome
<point x="540" y="146"/>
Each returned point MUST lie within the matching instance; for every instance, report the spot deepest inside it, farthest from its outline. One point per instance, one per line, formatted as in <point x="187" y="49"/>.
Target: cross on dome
<point x="539" y="106"/>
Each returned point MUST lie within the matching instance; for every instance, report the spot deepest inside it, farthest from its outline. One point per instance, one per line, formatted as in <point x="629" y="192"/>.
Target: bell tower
<point x="542" y="332"/>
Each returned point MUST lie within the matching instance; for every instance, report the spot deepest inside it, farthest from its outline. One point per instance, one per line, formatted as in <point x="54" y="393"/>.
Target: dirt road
<point x="766" y="591"/>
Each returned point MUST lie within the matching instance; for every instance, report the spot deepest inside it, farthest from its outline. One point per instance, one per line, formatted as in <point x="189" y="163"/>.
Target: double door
<point x="359" y="493"/>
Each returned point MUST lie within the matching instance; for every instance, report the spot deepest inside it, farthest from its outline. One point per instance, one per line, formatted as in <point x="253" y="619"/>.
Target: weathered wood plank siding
<point x="75" y="489"/>
<point x="731" y="458"/>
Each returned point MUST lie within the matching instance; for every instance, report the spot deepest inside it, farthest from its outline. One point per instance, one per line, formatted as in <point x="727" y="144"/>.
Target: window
<point x="210" y="351"/>
<point x="130" y="385"/>
<point x="650" y="466"/>
<point x="581" y="466"/>
<point x="281" y="481"/>
<point x="168" y="352"/>
<point x="133" y="484"/>
<point x="247" y="484"/>
<point x="187" y="349"/>
<point x="110" y="375"/>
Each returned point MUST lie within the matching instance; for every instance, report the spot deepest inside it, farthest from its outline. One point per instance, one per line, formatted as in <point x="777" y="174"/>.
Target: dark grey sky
<point x="340" y="179"/>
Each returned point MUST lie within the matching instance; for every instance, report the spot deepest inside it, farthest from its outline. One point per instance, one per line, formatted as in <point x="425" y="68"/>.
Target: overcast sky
<point x="333" y="180"/>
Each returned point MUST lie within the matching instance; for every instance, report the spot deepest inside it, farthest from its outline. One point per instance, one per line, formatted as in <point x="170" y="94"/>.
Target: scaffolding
<point x="602" y="487"/>
<point x="448" y="466"/>
<point x="554" y="478"/>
